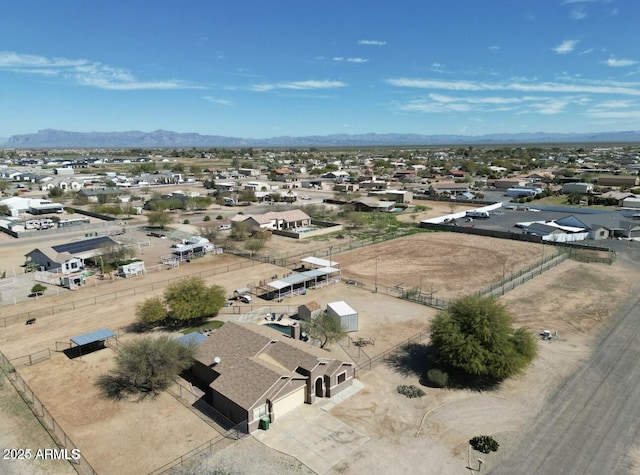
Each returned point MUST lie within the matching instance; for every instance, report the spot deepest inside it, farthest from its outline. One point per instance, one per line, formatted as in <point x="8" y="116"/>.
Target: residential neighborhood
<point x="376" y="242"/>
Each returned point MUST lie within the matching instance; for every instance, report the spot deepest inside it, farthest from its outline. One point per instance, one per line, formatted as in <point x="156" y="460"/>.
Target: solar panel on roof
<point x="82" y="246"/>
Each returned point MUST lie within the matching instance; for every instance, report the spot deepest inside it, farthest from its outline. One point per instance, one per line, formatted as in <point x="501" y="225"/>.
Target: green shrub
<point x="410" y="391"/>
<point x="484" y="444"/>
<point x="437" y="378"/>
<point x="38" y="289"/>
<point x="219" y="217"/>
<point x="186" y="221"/>
<point x="206" y="218"/>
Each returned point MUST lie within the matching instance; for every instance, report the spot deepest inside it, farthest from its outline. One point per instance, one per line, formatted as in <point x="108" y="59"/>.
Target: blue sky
<point x="262" y="69"/>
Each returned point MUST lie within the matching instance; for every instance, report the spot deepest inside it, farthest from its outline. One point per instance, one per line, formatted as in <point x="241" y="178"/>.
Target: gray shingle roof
<point x="255" y="360"/>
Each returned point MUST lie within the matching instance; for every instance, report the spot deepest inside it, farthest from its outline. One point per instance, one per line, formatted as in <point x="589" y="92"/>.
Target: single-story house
<point x="250" y="372"/>
<point x="603" y="225"/>
<point x="248" y="171"/>
<point x="448" y="187"/>
<point x="346" y="187"/>
<point x="369" y="203"/>
<point x="338" y="175"/>
<point x="64" y="183"/>
<point x="400" y="196"/>
<point x="374" y="184"/>
<point x="282" y="174"/>
<point x="505" y="183"/>
<point x="276" y="220"/>
<point x="92" y="194"/>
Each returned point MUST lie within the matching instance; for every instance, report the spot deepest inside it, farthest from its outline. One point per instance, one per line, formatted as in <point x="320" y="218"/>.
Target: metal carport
<point x="92" y="337"/>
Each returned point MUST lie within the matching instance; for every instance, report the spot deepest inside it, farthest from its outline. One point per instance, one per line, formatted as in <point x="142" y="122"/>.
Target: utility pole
<point x="376" y="277"/>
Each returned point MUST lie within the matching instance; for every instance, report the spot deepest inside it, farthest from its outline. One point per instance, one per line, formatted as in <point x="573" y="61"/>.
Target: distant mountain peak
<point x="165" y="138"/>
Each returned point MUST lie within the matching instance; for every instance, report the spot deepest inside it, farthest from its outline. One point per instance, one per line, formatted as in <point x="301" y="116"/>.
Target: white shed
<point x="132" y="269"/>
<point x="348" y="317"/>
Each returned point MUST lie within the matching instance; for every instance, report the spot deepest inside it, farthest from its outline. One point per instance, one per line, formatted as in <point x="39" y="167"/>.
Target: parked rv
<point x="477" y="214"/>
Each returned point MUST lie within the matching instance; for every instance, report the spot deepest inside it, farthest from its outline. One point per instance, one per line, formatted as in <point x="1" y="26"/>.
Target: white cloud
<point x="494" y="49"/>
<point x="620" y="63"/>
<point x="372" y="42"/>
<point x="578" y="13"/>
<point x="550" y="106"/>
<point x="585" y="87"/>
<point x="610" y="114"/>
<point x="299" y="85"/>
<point x="476" y="100"/>
<point x="215" y="100"/>
<point x="350" y="60"/>
<point x="620" y="104"/>
<point x="566" y="47"/>
<point x="9" y="59"/>
<point x="437" y="103"/>
<point x="615" y="109"/>
<point x="83" y="72"/>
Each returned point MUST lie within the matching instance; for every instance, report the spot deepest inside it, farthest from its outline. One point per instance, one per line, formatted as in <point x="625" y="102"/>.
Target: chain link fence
<point x="59" y="436"/>
<point x="112" y="296"/>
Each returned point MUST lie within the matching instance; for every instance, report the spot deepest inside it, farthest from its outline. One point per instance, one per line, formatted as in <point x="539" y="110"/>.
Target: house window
<point x="342" y="377"/>
<point x="259" y="412"/>
<point x="74" y="265"/>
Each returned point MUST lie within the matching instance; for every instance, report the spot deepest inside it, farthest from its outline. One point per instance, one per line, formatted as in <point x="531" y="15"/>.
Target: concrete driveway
<point x="313" y="436"/>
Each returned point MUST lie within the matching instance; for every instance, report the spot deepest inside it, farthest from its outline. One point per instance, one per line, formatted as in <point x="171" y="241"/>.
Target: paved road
<point x="591" y="423"/>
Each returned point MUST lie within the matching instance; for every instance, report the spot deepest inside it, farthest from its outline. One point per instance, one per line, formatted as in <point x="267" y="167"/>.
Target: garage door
<point x="287" y="403"/>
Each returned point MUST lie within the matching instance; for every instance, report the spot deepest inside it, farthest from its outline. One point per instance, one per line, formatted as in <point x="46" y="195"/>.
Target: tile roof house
<point x="277" y="220"/>
<point x="251" y="371"/>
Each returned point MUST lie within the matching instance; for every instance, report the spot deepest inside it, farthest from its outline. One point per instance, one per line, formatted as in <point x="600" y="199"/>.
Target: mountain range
<point x="163" y="139"/>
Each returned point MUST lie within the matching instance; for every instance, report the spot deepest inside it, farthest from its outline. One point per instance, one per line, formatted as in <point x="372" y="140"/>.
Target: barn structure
<point x="347" y="316"/>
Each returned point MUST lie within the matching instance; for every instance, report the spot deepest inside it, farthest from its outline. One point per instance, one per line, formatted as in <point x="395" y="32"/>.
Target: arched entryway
<point x="319" y="388"/>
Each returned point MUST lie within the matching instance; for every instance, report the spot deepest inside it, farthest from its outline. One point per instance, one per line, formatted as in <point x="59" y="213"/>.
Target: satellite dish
<point x="217" y="360"/>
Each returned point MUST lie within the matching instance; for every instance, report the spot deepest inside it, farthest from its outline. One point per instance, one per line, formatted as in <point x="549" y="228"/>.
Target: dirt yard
<point x="447" y="264"/>
<point x="430" y="434"/>
<point x="160" y="429"/>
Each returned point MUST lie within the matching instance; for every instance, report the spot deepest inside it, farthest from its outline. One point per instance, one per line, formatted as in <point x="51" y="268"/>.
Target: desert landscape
<point x="573" y="299"/>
